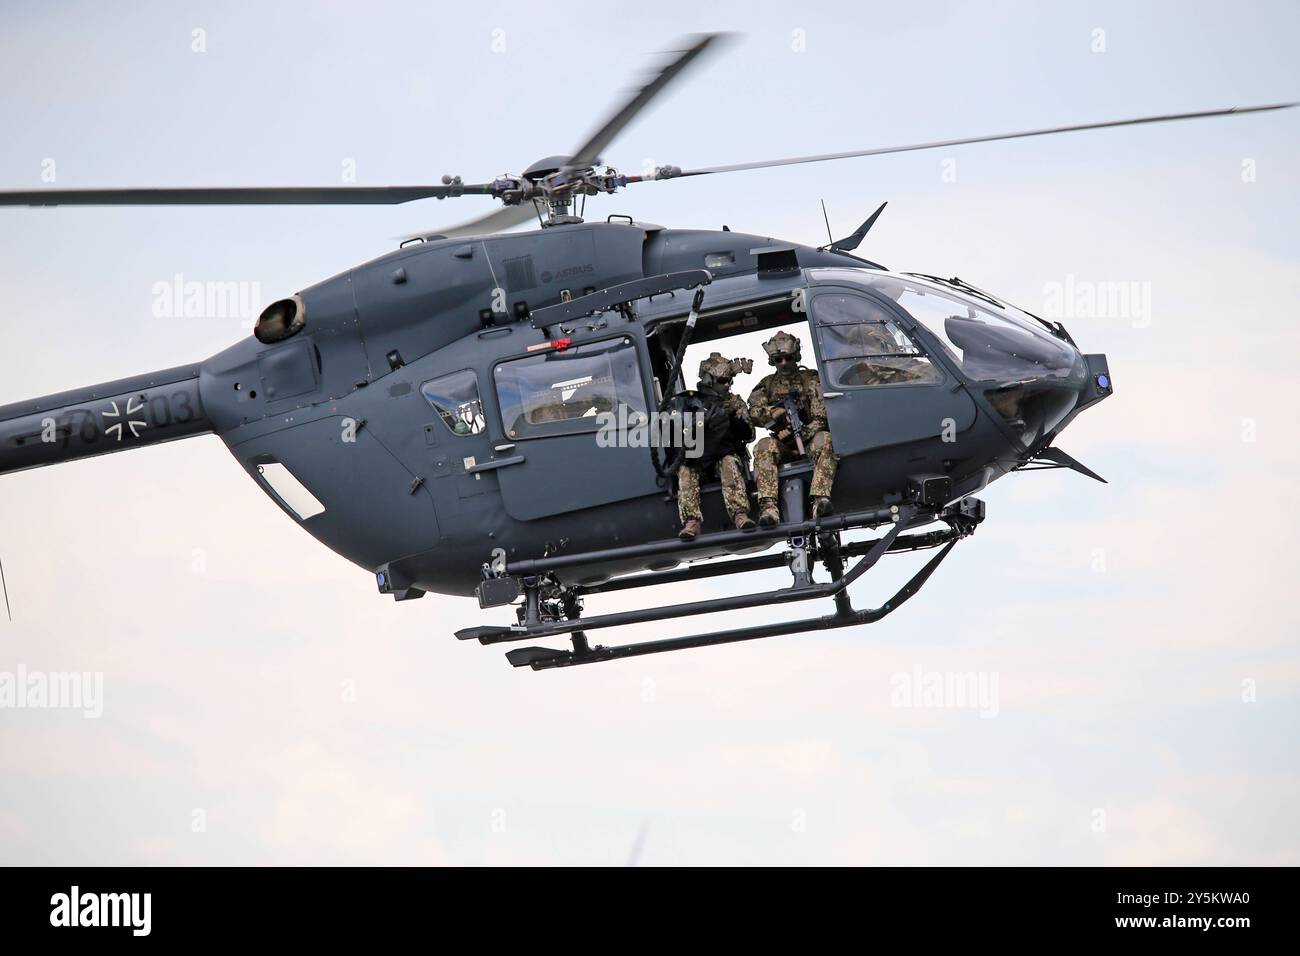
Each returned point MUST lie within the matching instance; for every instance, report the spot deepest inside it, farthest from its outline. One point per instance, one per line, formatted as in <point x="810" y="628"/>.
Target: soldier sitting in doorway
<point x="791" y="392"/>
<point x="726" y="433"/>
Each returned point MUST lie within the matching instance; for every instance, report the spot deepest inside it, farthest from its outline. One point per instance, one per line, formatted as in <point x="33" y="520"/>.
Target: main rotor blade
<point x="496" y="221"/>
<point x="589" y="152"/>
<point x="939" y="144"/>
<point x="238" y="196"/>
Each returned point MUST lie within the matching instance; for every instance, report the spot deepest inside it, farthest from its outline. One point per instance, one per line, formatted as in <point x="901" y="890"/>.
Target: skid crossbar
<point x="559" y="613"/>
<point x="543" y="658"/>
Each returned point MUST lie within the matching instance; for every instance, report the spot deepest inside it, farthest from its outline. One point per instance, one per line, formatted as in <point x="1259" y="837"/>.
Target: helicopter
<point x="432" y="415"/>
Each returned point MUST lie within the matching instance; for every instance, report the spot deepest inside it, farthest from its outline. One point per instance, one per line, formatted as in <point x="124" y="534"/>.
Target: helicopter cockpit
<point x="1031" y="376"/>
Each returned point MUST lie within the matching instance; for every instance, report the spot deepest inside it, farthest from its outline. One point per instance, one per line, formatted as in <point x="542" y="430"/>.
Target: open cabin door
<point x="563" y="444"/>
<point x="880" y="387"/>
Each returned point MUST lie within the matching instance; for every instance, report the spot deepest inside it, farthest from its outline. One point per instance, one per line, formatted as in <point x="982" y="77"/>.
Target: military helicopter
<point x="431" y="415"/>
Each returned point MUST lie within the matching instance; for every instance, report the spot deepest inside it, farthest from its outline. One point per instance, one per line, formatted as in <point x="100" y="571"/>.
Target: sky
<point x="1136" y="642"/>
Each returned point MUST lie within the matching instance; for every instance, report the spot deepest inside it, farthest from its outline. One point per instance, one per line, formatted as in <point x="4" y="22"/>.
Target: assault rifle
<point x="792" y="424"/>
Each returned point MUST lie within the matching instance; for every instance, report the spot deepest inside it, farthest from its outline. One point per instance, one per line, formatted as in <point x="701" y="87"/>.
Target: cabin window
<point x="863" y="345"/>
<point x="455" y="398"/>
<point x="566" y="391"/>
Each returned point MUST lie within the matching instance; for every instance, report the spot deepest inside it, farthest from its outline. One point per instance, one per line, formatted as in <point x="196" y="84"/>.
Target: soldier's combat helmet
<point x="783" y="343"/>
<point x="716" y="372"/>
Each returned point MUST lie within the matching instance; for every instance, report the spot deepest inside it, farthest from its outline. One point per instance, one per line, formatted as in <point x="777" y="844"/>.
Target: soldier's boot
<point x="689" y="529"/>
<point x="768" y="516"/>
<point x="743" y="521"/>
<point x="821" y="507"/>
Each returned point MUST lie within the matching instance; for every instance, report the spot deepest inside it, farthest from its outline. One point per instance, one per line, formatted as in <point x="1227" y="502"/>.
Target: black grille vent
<point x="520" y="274"/>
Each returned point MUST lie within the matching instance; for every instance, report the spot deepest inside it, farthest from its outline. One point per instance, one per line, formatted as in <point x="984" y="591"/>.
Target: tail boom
<point x="128" y="413"/>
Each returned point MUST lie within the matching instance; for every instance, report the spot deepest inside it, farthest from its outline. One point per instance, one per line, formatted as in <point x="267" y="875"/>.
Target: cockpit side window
<point x="455" y="398"/>
<point x="863" y="345"/>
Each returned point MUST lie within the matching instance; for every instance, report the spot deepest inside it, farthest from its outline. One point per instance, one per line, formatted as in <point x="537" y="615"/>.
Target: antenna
<point x="6" y="590"/>
<point x="849" y="243"/>
<point x="829" y="237"/>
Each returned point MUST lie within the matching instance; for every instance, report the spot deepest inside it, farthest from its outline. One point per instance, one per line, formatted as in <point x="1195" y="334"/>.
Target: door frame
<point x="950" y="383"/>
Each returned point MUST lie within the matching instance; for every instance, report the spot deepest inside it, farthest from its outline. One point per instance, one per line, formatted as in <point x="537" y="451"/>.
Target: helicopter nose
<point x="1098" y="384"/>
<point x="1037" y="406"/>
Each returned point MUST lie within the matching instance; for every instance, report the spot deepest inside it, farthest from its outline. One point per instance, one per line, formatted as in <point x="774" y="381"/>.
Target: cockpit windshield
<point x="988" y="345"/>
<point x="1030" y="377"/>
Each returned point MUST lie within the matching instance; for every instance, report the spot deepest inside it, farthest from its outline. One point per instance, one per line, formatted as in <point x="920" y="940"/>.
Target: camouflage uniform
<point x="769" y="454"/>
<point x="729" y="468"/>
<point x="735" y="495"/>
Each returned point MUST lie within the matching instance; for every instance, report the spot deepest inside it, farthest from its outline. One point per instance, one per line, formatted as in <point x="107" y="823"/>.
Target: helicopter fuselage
<point x="412" y="417"/>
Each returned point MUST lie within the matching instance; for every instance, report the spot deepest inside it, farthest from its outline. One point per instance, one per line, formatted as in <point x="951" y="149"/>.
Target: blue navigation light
<point x="1103" y="381"/>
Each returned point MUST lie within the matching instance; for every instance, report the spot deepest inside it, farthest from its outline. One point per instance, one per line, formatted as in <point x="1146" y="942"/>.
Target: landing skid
<point x="809" y="542"/>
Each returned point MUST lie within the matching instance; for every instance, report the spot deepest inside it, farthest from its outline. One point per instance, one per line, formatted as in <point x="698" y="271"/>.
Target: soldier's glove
<point x="784" y="434"/>
<point x="780" y="426"/>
